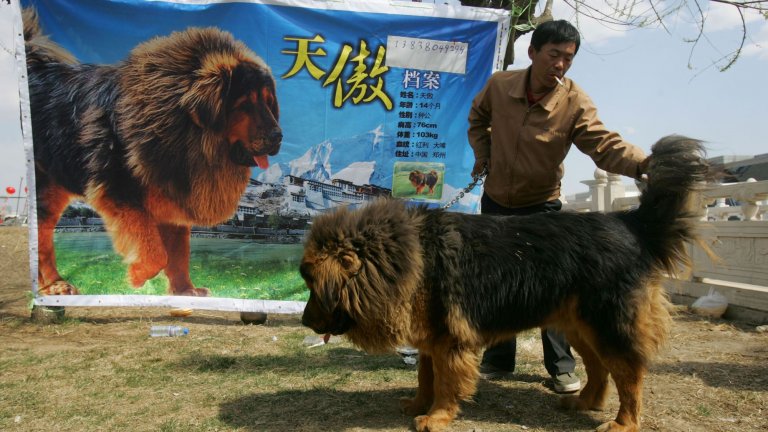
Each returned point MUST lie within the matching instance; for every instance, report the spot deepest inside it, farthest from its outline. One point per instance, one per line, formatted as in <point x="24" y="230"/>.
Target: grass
<point x="96" y="270"/>
<point x="120" y="379"/>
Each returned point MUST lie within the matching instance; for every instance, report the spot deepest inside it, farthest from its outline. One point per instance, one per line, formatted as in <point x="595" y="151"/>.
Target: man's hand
<point x="642" y="169"/>
<point x="480" y="166"/>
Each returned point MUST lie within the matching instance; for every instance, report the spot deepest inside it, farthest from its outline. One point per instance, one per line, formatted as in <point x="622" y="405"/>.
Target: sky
<point x="646" y="83"/>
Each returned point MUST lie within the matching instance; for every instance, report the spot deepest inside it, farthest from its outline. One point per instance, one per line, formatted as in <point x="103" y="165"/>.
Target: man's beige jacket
<point x="525" y="146"/>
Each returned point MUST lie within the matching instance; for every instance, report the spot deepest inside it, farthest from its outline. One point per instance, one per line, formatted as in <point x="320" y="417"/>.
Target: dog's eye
<point x="304" y="270"/>
<point x="243" y="105"/>
<point x="246" y="102"/>
<point x="267" y="96"/>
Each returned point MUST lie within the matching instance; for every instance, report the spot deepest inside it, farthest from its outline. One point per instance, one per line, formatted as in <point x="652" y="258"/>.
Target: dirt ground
<point x="712" y="376"/>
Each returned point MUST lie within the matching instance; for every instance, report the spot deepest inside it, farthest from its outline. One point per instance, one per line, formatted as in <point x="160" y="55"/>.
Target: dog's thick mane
<point x="384" y="237"/>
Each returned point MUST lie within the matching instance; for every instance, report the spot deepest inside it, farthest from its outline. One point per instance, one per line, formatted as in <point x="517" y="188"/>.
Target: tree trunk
<point x="523" y="19"/>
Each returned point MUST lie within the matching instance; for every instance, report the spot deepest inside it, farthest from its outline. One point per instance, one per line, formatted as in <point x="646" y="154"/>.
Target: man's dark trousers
<point x="558" y="358"/>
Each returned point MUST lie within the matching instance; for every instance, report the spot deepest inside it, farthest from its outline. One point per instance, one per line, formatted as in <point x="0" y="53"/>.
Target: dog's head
<point x="362" y="268"/>
<point x="227" y="91"/>
<point x="331" y="268"/>
<point x="239" y="100"/>
<point x="416" y="177"/>
<point x="327" y="276"/>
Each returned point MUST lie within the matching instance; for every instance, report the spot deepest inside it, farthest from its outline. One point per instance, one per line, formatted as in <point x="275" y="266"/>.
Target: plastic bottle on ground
<point x="165" y="331"/>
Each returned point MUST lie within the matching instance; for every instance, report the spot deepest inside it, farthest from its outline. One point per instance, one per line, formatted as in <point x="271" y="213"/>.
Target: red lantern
<point x="11" y="190"/>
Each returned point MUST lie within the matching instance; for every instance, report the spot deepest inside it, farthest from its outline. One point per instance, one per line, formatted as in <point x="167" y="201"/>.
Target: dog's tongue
<point x="326" y="338"/>
<point x="262" y="161"/>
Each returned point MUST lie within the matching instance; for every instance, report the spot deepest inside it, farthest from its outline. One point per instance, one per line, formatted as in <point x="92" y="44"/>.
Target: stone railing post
<point x="749" y="205"/>
<point x="597" y="190"/>
<point x="615" y="189"/>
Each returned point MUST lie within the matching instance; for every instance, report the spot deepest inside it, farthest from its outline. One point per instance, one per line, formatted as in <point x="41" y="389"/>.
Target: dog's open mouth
<point x="242" y="156"/>
<point x="262" y="161"/>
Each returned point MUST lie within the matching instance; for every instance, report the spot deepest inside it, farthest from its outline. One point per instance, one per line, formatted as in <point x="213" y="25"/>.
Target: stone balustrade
<point x="734" y="226"/>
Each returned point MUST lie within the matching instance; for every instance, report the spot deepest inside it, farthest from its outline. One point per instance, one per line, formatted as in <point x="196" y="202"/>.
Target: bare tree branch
<point x="624" y="13"/>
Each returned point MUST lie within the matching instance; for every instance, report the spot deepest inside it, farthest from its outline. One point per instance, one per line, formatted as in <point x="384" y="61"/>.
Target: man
<point x="521" y="126"/>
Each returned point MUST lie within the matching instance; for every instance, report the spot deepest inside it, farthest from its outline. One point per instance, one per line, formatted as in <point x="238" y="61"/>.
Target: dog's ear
<point x="350" y="262"/>
<point x="204" y="100"/>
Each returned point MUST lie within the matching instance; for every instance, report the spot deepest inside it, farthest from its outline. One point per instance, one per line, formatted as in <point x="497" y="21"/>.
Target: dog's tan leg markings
<point x="424" y="393"/>
<point x="53" y="199"/>
<point x="455" y="379"/>
<point x="59" y="287"/>
<point x="593" y="395"/>
<point x="134" y="236"/>
<point x="629" y="383"/>
<point x="176" y="242"/>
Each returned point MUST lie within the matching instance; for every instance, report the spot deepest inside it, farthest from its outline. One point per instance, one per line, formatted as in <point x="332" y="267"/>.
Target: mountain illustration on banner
<point x="344" y="168"/>
<point x="353" y="159"/>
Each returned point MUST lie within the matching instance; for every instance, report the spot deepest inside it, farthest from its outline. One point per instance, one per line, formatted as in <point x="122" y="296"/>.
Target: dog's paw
<point x="425" y="423"/>
<point x="59" y="287"/>
<point x="612" y="426"/>
<point x="192" y="292"/>
<point x="413" y="407"/>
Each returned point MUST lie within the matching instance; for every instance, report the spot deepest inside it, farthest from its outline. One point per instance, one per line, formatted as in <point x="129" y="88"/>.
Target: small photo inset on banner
<point x="418" y="180"/>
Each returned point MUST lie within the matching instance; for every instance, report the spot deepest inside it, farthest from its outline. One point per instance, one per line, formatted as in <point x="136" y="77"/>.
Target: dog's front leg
<point x="176" y="242"/>
<point x="455" y="379"/>
<point x="134" y="236"/>
<point x="425" y="393"/>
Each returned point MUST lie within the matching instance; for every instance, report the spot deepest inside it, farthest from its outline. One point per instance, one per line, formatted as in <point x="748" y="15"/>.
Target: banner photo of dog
<point x="422" y="181"/>
<point x="180" y="150"/>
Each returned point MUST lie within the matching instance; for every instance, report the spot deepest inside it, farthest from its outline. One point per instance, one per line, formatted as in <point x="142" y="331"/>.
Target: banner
<point x="182" y="147"/>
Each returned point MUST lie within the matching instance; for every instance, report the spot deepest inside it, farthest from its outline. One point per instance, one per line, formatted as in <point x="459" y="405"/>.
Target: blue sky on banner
<point x="646" y="83"/>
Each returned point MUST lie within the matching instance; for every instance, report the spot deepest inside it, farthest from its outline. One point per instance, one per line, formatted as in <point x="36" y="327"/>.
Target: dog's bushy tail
<point x="669" y="205"/>
<point x="39" y="48"/>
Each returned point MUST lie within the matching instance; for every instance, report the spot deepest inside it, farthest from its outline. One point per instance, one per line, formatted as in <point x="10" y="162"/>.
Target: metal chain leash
<point x="478" y="179"/>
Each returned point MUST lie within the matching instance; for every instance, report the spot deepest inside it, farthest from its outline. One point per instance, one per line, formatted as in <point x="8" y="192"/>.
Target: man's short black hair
<point x="556" y="32"/>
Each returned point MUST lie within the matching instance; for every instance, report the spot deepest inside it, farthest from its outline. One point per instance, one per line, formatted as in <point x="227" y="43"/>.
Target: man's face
<point x="552" y="60"/>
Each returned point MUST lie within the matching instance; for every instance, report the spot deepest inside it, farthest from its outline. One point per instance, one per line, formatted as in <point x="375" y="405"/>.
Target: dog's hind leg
<point x="176" y="242"/>
<point x="628" y="376"/>
<point x="455" y="379"/>
<point x="593" y="395"/>
<point x="51" y="202"/>
<point x="425" y="393"/>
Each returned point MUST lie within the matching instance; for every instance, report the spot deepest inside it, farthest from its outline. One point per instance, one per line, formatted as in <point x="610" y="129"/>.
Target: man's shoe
<point x="490" y="372"/>
<point x="566" y="383"/>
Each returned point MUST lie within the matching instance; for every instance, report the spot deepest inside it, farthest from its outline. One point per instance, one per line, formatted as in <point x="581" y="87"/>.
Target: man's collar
<point x="548" y="102"/>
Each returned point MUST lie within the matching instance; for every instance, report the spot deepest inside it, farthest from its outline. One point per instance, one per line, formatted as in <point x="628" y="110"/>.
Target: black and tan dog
<point x="159" y="142"/>
<point x="450" y="284"/>
<point x="420" y="180"/>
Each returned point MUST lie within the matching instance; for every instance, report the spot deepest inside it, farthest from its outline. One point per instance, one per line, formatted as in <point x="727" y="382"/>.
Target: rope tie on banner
<point x="477" y="179"/>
